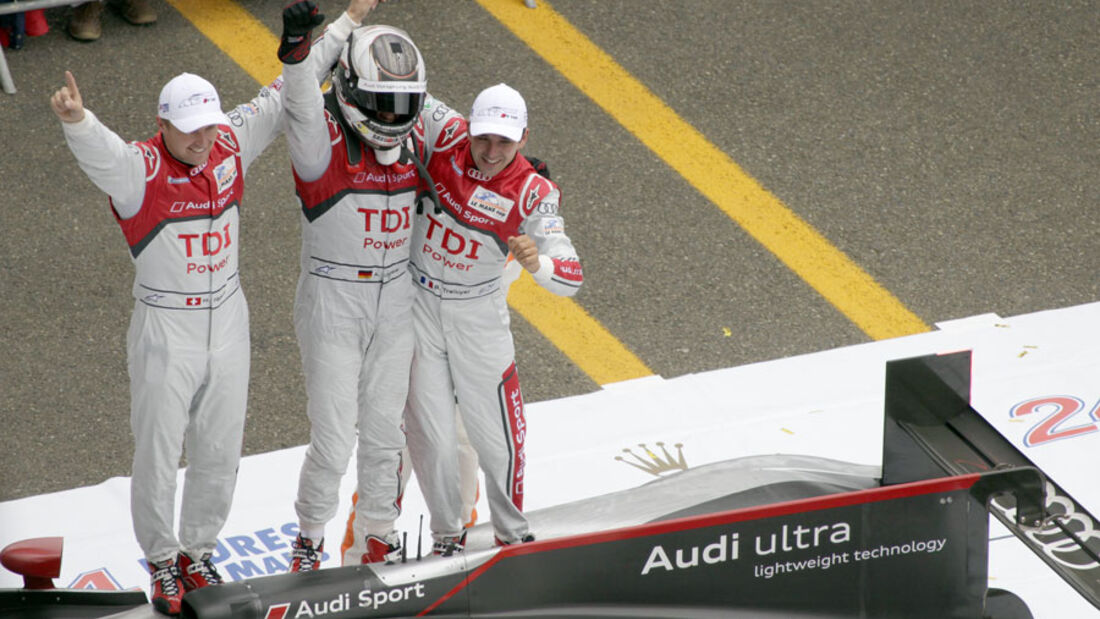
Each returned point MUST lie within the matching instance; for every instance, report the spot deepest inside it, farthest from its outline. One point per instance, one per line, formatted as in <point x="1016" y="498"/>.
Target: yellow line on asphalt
<point x="579" y="336"/>
<point x="237" y="33"/>
<point x="710" y="171"/>
<point x="561" y="320"/>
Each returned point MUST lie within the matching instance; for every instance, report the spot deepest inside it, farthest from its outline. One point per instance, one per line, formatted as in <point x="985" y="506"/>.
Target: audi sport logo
<point x="348" y="601"/>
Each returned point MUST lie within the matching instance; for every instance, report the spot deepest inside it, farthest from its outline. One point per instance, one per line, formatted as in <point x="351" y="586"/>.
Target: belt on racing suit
<point x="356" y="272"/>
<point x="450" y="290"/>
<point x="169" y="299"/>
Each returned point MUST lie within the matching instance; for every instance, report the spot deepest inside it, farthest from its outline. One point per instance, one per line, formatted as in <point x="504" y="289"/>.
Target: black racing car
<point x="763" y="536"/>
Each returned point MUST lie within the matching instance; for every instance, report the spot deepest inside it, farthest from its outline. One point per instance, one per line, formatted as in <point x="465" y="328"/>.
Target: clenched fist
<point x="525" y="251"/>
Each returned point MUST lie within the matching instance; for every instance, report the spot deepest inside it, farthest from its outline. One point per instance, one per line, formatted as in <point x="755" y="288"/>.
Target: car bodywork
<point x="764" y="536"/>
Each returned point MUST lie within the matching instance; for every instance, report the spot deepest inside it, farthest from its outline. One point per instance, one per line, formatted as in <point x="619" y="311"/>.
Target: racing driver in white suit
<point x="353" y="309"/>
<point x="490" y="201"/>
<point x="176" y="197"/>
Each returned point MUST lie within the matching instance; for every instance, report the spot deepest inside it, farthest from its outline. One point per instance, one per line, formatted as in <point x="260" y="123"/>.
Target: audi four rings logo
<point x="1055" y="544"/>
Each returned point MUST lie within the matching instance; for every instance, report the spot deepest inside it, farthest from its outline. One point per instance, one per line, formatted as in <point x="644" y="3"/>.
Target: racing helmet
<point x="380" y="71"/>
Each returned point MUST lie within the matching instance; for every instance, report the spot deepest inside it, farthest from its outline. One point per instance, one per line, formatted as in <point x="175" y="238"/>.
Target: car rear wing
<point x="931" y="430"/>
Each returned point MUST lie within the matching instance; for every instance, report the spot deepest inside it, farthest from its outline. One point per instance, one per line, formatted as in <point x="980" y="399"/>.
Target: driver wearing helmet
<point x="352" y="311"/>
<point x="380" y="88"/>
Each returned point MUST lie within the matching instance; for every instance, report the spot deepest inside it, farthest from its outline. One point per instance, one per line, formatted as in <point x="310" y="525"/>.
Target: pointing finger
<point x="70" y="81"/>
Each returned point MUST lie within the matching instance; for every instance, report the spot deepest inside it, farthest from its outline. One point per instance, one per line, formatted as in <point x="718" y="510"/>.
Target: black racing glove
<point x="299" y="19"/>
<point x="540" y="166"/>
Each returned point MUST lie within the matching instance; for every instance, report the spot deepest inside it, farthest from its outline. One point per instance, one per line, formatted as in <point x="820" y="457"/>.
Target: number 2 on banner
<point x="1057" y="410"/>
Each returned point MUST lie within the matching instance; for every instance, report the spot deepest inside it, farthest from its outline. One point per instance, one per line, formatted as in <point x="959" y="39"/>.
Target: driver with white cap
<point x="491" y="200"/>
<point x="177" y="198"/>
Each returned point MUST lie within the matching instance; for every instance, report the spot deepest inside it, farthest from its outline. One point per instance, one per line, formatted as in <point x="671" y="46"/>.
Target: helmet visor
<point x="404" y="105"/>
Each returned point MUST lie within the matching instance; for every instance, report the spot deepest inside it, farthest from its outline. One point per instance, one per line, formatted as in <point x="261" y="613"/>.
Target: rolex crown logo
<point x="653" y="463"/>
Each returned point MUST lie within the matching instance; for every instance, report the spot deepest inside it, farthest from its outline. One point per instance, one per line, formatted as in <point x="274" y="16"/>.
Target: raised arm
<point x="305" y="66"/>
<point x="358" y="9"/>
<point x="117" y="168"/>
<point x="306" y="129"/>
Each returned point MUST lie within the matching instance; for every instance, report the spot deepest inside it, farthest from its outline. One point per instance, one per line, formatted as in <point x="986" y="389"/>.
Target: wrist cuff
<point x="294" y="49"/>
<point x="546" y="269"/>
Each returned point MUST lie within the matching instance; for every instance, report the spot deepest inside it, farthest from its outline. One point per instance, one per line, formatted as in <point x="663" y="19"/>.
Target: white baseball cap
<point x="189" y="102"/>
<point x="499" y="110"/>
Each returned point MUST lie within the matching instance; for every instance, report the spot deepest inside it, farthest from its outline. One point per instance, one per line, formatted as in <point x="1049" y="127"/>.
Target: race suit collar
<point x="473" y="172"/>
<point x="192" y="169"/>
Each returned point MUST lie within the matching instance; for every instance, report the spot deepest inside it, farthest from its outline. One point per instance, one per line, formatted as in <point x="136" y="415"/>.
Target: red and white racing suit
<point x="463" y="342"/>
<point x="188" y="342"/>
<point x="352" y="312"/>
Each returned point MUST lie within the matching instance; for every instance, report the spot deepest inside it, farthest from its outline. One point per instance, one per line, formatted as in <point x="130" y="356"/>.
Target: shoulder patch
<point x="151" y="156"/>
<point x="228" y="139"/>
<point x="334" y="133"/>
<point x="538" y="189"/>
<point x="452" y="130"/>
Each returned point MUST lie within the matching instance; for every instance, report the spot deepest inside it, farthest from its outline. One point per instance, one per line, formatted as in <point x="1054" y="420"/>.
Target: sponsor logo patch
<point x="249" y="109"/>
<point x="225" y="173"/>
<point x="553" y="225"/>
<point x="490" y="203"/>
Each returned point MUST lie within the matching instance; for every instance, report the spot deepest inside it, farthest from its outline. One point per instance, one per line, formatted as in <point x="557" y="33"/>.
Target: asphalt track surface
<point x="946" y="152"/>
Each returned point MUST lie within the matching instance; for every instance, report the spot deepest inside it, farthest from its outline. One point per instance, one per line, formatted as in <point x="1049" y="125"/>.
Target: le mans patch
<point x="225" y="173"/>
<point x="491" y="204"/>
<point x="553" y="225"/>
